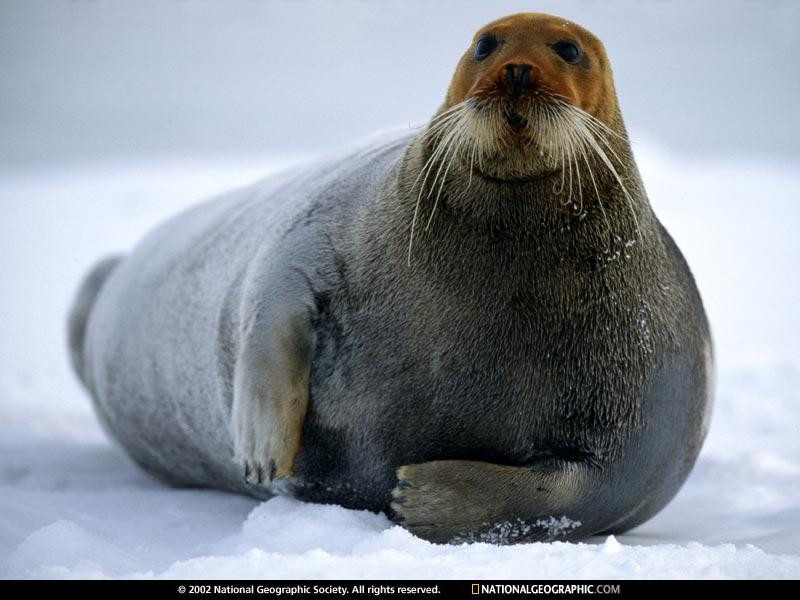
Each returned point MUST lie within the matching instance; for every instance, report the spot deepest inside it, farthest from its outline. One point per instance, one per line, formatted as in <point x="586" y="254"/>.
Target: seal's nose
<point x="516" y="77"/>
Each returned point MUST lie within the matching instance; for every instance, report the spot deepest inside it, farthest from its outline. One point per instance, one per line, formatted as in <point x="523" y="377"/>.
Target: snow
<point x="72" y="505"/>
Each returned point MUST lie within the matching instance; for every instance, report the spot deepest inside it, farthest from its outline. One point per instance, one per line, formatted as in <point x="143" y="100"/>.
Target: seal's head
<point x="531" y="92"/>
<point x="531" y="112"/>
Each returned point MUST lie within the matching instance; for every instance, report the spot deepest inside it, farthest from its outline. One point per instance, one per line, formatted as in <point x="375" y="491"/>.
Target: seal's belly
<point x="472" y="403"/>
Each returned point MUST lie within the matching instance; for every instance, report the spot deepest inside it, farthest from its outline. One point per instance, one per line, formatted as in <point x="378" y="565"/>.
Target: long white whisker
<point x="604" y="158"/>
<point x="453" y="152"/>
<point x="451" y="119"/>
<point x="584" y="133"/>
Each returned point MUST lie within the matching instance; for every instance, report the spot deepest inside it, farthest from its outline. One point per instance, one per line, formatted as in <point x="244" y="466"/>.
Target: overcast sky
<point x="115" y="78"/>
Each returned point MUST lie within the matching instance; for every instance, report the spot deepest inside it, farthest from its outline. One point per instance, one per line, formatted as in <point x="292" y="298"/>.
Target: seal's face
<point x="522" y="59"/>
<point x="530" y="97"/>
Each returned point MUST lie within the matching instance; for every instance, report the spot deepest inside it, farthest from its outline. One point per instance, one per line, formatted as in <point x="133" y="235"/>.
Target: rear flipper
<point x="81" y="310"/>
<point x="463" y="501"/>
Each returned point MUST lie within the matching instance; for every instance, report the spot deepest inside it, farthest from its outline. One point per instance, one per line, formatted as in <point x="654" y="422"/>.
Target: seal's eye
<point x="485" y="46"/>
<point x="567" y="50"/>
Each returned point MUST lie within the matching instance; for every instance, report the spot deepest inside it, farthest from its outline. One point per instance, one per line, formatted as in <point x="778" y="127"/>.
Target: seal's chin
<point x="513" y="145"/>
<point x="518" y="159"/>
<point x="512" y="179"/>
<point x="514" y="120"/>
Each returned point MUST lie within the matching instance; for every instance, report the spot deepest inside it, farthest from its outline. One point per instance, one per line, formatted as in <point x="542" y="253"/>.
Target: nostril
<point x="510" y="78"/>
<point x="517" y="76"/>
<point x="524" y="75"/>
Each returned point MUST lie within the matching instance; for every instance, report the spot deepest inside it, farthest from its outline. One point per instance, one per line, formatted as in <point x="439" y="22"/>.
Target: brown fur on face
<point x="527" y="39"/>
<point x="522" y="110"/>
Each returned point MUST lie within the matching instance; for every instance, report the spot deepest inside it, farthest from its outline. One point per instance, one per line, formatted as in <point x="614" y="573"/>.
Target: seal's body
<point x="478" y="338"/>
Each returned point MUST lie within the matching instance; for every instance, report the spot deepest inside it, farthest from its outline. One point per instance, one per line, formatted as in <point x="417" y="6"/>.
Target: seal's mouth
<point x="515" y="120"/>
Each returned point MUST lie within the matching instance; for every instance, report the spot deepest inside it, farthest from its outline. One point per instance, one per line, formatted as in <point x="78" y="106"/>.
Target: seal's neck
<point x="467" y="217"/>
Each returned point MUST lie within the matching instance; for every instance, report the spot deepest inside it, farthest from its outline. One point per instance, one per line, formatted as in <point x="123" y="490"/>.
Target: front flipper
<point x="271" y="379"/>
<point x="461" y="501"/>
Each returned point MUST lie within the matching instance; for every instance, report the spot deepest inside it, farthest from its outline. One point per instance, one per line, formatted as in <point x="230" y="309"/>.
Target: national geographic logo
<point x="545" y="589"/>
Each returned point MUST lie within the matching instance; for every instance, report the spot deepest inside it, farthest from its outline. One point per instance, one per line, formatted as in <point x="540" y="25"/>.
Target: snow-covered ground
<point x="73" y="505"/>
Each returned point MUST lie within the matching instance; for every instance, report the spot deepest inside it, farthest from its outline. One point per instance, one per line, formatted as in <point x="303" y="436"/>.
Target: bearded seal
<point x="479" y="328"/>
